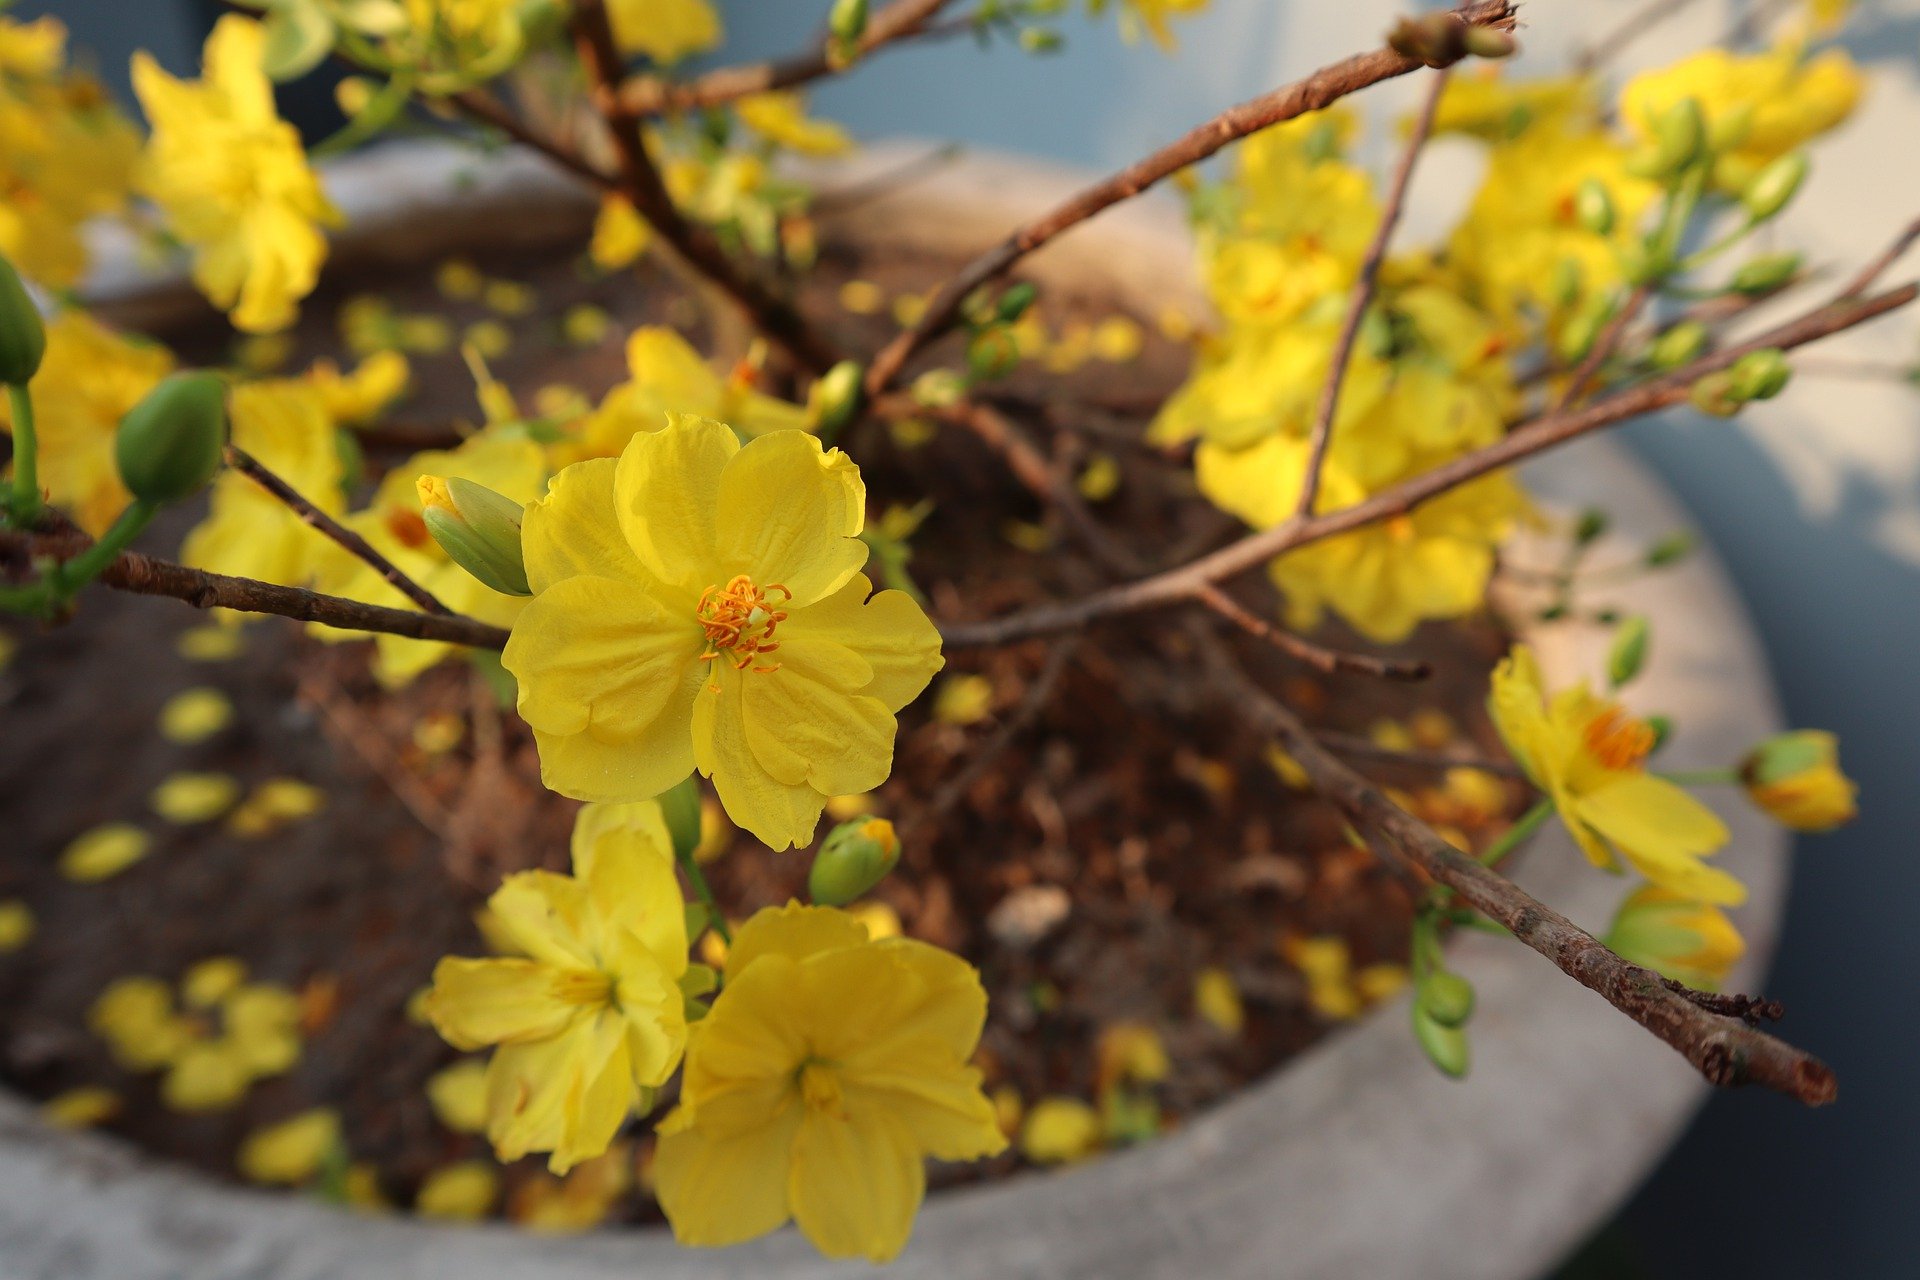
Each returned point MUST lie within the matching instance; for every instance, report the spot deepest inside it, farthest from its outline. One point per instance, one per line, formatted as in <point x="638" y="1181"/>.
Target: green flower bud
<point x="1765" y="273"/>
<point x="992" y="353"/>
<point x="1682" y="344"/>
<point x="1761" y="375"/>
<point x="1671" y="549"/>
<point x="1593" y="206"/>
<point x="848" y="20"/>
<point x="853" y="858"/>
<point x="1662" y="727"/>
<point x="1040" y="40"/>
<point x="23" y="336"/>
<point x="836" y="398"/>
<point x="1644" y="262"/>
<point x="1796" y="778"/>
<point x="1714" y="394"/>
<point x="1776" y="184"/>
<point x="1593" y="523"/>
<point x="478" y="528"/>
<point x="1445" y="1047"/>
<point x="1730" y="127"/>
<point x="1447" y="998"/>
<point x="1679" y="137"/>
<point x="1629" y="650"/>
<point x="1563" y="285"/>
<point x="680" y="805"/>
<point x="1015" y="301"/>
<point x="1490" y="42"/>
<point x="1583" y="328"/>
<point x="169" y="444"/>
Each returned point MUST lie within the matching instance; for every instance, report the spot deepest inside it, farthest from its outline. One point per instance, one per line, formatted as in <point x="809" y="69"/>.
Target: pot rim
<point x="1354" y="1158"/>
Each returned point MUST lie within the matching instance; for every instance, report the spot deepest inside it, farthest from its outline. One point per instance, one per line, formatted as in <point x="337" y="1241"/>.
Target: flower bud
<point x="1676" y="937"/>
<point x="1775" y="185"/>
<point x="853" y="858"/>
<point x="478" y="529"/>
<point x="992" y="353"/>
<point x="1040" y="40"/>
<point x="1445" y="997"/>
<point x="169" y="444"/>
<point x="1678" y="137"/>
<point x="836" y="398"/>
<point x="1490" y="42"/>
<point x="1714" y="394"/>
<point x="1765" y="273"/>
<point x="1628" y="652"/>
<point x="1582" y="329"/>
<point x="1593" y="207"/>
<point x="848" y="20"/>
<point x="1795" y="777"/>
<point x="1760" y="375"/>
<point x="23" y="336"/>
<point x="1436" y="39"/>
<point x="1445" y="1047"/>
<point x="1682" y="344"/>
<point x="1015" y="301"/>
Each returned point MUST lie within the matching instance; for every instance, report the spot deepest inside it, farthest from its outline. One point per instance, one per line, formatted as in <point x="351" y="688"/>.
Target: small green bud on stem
<point x="853" y="858"/>
<point x="1765" y="273"/>
<point x="169" y="445"/>
<point x="1774" y="187"/>
<point x="478" y="528"/>
<point x="23" y="336"/>
<point x="836" y="399"/>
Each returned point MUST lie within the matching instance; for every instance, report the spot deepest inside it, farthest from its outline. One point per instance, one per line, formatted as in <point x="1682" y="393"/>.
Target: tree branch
<point x="1724" y="1049"/>
<point x="1363" y="285"/>
<point x="1325" y="86"/>
<point x="250" y="467"/>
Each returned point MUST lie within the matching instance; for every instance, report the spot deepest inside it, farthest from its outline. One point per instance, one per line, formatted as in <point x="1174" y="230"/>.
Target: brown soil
<point x="1175" y="845"/>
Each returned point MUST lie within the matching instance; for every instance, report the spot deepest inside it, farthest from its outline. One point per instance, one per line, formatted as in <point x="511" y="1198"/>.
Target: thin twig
<point x="642" y="185"/>
<point x="1321" y="438"/>
<point x="1357" y="748"/>
<point x="902" y="20"/>
<point x="252" y="468"/>
<point x="1324" y="660"/>
<point x="1725" y="1050"/>
<point x="1864" y="278"/>
<point x="1603" y="347"/>
<point x="479" y="105"/>
<point x="1318" y="90"/>
<point x="1181" y="584"/>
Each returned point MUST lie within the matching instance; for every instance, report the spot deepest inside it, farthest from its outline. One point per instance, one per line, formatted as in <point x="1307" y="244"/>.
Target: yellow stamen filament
<point x="582" y="987"/>
<point x="1617" y="740"/>
<point x="740" y="619"/>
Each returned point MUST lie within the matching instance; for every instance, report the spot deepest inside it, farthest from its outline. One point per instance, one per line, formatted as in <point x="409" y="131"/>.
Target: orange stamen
<point x="1617" y="740"/>
<point x="740" y="619"/>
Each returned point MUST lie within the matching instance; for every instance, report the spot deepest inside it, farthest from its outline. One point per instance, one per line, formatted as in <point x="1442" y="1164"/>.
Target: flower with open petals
<point x="588" y="1016"/>
<point x="829" y="1069"/>
<point x="233" y="181"/>
<point x="699" y="604"/>
<point x="1588" y="755"/>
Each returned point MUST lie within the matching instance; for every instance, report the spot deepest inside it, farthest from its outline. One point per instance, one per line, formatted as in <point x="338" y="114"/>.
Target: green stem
<point x="704" y="892"/>
<point x="1702" y="777"/>
<point x="26" y="455"/>
<point x="1530" y="821"/>
<point x="89" y="564"/>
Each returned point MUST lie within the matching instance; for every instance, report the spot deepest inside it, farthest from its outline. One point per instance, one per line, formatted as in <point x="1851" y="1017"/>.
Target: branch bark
<point x="1325" y="86"/>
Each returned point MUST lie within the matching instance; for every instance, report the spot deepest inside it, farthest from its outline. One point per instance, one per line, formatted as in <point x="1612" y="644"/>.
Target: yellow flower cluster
<point x="65" y="153"/>
<point x="220" y="1035"/>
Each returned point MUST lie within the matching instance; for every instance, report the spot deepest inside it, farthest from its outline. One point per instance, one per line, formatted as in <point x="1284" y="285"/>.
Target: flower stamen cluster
<point x="739" y="620"/>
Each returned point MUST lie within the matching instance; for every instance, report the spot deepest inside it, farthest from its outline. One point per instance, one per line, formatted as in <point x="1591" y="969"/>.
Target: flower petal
<point x="791" y="513"/>
<point x="856" y="1184"/>
<point x="667" y="488"/>
<point x="720" y="1190"/>
<point x="887" y="629"/>
<point x="802" y="731"/>
<point x="1663" y="832"/>
<point x="779" y="814"/>
<point x="574" y="531"/>
<point x="795" y="931"/>
<point x="475" y="1003"/>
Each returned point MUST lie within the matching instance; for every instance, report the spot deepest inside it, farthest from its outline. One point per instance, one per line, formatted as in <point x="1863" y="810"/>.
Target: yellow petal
<point x="887" y="630"/>
<point x="721" y="1190"/>
<point x="791" y="512"/>
<point x="666" y="489"/>
<point x="1663" y="832"/>
<point x="481" y="1002"/>
<point x="290" y="1152"/>
<point x="779" y="814"/>
<point x="461" y="1192"/>
<point x="794" y="931"/>
<point x="574" y="531"/>
<point x="856" y="1185"/>
<point x="104" y="851"/>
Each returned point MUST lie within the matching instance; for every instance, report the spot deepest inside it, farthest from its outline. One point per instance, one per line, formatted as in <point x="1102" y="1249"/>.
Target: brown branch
<point x="479" y="105"/>
<point x="145" y="575"/>
<point x="1183" y="583"/>
<point x="1725" y="1050"/>
<point x="1354" y="747"/>
<point x="1603" y="346"/>
<point x="1325" y="86"/>
<point x="1321" y="438"/>
<point x="901" y="20"/>
<point x="1324" y="660"/>
<point x="358" y="547"/>
<point x="1864" y="278"/>
<point x="642" y="185"/>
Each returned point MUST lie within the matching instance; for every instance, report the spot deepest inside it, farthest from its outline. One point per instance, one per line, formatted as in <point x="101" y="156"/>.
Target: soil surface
<point x="1091" y="852"/>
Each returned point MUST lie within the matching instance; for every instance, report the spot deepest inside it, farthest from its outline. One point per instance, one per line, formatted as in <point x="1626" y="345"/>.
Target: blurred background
<point x="1813" y="500"/>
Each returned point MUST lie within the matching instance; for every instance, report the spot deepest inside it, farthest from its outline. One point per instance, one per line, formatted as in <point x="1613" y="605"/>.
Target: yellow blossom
<point x="1679" y="938"/>
<point x="194" y="715"/>
<point x="799" y="1101"/>
<point x="664" y="30"/>
<point x="963" y="699"/>
<point x="1796" y="778"/>
<point x="504" y="460"/>
<point x="292" y="1151"/>
<point x="1216" y="998"/>
<point x="458" y="1095"/>
<point x="103" y="852"/>
<point x="1327" y="965"/>
<point x="699" y="604"/>
<point x="587" y="1015"/>
<point x="578" y="1202"/>
<point x="1588" y="755"/>
<point x="1487" y="103"/>
<point x="194" y="797"/>
<point x="88" y="380"/>
<point x="462" y="1192"/>
<point x="781" y="118"/>
<point x="1155" y="17"/>
<point x="1061" y="1131"/>
<point x="16" y="925"/>
<point x="667" y="376"/>
<point x="233" y="180"/>
<point x="1130" y="1053"/>
<point x="272" y="805"/>
<point x="363" y="395"/>
<point x="211" y="1047"/>
<point x="1772" y="102"/>
<point x="81" y="1108"/>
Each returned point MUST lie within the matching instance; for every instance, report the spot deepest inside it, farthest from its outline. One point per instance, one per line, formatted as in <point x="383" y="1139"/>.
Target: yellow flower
<point x="292" y="1151"/>
<point x="361" y="396"/>
<point x="781" y="118"/>
<point x="620" y="234"/>
<point x="504" y="460"/>
<point x="1061" y="1131"/>
<point x="272" y="805"/>
<point x="699" y="604"/>
<point x="588" y="1017"/>
<point x="664" y="30"/>
<point x="1688" y="941"/>
<point x="233" y="180"/>
<point x="1796" y="778"/>
<point x="1153" y="16"/>
<point x="449" y="44"/>
<point x="103" y="852"/>
<point x="225" y="1034"/>
<point x="830" y="1067"/>
<point x="194" y="797"/>
<point x="66" y="153"/>
<point x="963" y="699"/>
<point x="1772" y="102"/>
<point x="578" y="1202"/>
<point x="462" y="1192"/>
<point x="458" y="1095"/>
<point x="248" y="532"/>
<point x="1485" y="103"/>
<point x="667" y="376"/>
<point x="1216" y="998"/>
<point x="194" y="715"/>
<point x="88" y="380"/>
<point x="81" y="1108"/>
<point x="1588" y="755"/>
<point x="16" y="925"/>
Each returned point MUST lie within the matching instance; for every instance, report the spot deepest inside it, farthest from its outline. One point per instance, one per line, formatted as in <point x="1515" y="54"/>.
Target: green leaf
<point x="300" y="35"/>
